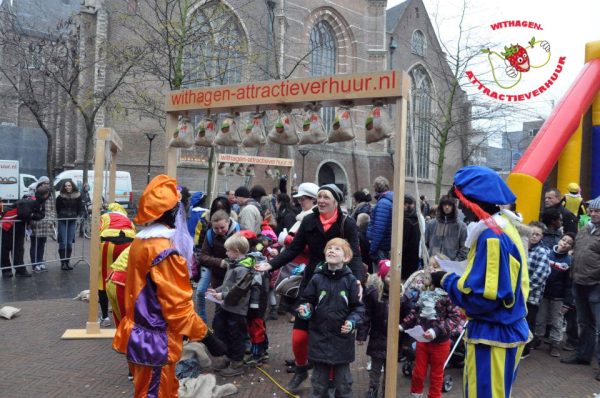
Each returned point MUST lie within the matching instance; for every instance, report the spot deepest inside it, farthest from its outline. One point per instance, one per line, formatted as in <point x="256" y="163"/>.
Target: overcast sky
<point x="566" y="25"/>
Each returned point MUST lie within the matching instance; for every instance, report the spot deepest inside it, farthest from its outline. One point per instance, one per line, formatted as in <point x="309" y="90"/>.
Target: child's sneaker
<point x="105" y="322"/>
<point x="43" y="268"/>
<point x="256" y="360"/>
<point x="37" y="269"/>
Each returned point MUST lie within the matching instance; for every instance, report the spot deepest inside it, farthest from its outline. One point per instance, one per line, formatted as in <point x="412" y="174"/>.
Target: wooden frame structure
<point x="104" y="136"/>
<point x="355" y="89"/>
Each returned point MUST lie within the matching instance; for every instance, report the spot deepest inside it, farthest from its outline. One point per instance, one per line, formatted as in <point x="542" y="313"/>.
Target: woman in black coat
<point x="316" y="229"/>
<point x="286" y="216"/>
<point x="69" y="206"/>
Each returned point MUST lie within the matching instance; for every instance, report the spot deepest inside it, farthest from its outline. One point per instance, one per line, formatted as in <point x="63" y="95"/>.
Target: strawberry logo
<point x="517" y="57"/>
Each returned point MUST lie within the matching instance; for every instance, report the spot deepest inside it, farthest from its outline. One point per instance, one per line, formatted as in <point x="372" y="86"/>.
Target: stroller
<point x="457" y="352"/>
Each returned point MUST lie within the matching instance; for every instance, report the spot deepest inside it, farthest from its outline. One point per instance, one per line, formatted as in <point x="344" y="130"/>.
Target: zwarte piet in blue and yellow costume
<point x="494" y="287"/>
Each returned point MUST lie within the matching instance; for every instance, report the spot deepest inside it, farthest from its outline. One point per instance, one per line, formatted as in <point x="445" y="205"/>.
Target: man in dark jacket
<point x="552" y="199"/>
<point x="410" y="238"/>
<point x="586" y="287"/>
<point x="552" y="219"/>
<point x="379" y="232"/>
<point x="24" y="211"/>
<point x="446" y="234"/>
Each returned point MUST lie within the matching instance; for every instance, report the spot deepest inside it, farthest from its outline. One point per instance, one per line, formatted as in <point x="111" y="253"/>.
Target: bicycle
<point x="85" y="222"/>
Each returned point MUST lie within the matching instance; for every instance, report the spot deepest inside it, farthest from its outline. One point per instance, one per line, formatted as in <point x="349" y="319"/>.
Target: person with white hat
<point x="159" y="310"/>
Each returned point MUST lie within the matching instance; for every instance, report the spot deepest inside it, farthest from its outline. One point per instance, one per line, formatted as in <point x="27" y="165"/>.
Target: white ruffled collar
<point x="156" y="231"/>
<point x="476" y="228"/>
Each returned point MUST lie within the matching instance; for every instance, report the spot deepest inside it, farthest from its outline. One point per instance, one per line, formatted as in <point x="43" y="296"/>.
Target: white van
<point x="123" y="190"/>
<point x="26" y="181"/>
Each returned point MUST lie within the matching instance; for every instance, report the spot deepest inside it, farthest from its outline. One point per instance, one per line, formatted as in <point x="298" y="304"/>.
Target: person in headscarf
<point x="116" y="234"/>
<point x="494" y="287"/>
<point x="159" y="310"/>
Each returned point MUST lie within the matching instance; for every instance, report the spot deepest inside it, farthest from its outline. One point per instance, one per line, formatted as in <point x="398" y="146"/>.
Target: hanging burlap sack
<point x="378" y="125"/>
<point x="228" y="134"/>
<point x="342" y="128"/>
<point x="206" y="132"/>
<point x="313" y="131"/>
<point x="284" y="131"/>
<point x="183" y="137"/>
<point x="254" y="133"/>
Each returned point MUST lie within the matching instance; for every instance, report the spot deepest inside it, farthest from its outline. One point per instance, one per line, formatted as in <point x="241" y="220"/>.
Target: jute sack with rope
<point x="342" y="128"/>
<point x="206" y="132"/>
<point x="228" y="134"/>
<point x="378" y="124"/>
<point x="284" y="131"/>
<point x="254" y="133"/>
<point x="183" y="137"/>
<point x="313" y="131"/>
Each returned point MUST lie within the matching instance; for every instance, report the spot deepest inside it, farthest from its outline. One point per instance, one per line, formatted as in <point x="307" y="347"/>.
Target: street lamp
<point x="392" y="47"/>
<point x="150" y="136"/>
<point x="303" y="152"/>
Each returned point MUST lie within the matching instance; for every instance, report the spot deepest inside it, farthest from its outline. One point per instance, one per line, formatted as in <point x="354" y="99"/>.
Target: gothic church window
<point x="418" y="44"/>
<point x="323" y="59"/>
<point x="420" y="128"/>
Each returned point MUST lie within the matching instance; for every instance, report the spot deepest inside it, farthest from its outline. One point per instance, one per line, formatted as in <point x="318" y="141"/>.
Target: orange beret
<point x="159" y="196"/>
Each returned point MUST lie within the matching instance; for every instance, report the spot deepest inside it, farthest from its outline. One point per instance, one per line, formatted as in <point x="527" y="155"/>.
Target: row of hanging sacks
<point x="228" y="134"/>
<point x="254" y="133"/>
<point x="241" y="170"/>
<point x="205" y="134"/>
<point x="284" y="130"/>
<point x="342" y="128"/>
<point x="378" y="124"/>
<point x="313" y="131"/>
<point x="183" y="137"/>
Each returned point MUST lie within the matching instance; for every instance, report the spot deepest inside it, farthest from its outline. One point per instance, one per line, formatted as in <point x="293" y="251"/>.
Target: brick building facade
<point x="286" y="38"/>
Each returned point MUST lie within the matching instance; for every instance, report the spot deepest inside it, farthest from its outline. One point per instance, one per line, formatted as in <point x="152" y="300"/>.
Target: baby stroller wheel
<point x="407" y="369"/>
<point x="448" y="383"/>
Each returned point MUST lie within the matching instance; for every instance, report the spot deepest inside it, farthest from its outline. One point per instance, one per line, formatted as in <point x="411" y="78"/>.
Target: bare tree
<point x="52" y="68"/>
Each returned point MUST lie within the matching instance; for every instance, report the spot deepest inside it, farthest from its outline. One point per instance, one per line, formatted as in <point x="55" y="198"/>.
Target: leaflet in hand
<point x="212" y="298"/>
<point x="417" y="333"/>
<point x="458" y="267"/>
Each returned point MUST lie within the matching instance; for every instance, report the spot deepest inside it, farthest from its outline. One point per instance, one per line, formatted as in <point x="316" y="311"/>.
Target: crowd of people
<point x="257" y="256"/>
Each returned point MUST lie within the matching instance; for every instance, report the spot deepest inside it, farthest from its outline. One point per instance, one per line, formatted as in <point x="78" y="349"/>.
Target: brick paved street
<point x="37" y="363"/>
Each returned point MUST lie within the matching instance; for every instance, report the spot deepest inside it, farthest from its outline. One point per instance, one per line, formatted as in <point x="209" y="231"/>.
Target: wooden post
<point x="112" y="177"/>
<point x="92" y="329"/>
<point x="391" y="366"/>
<point x="171" y="153"/>
<point x="92" y="325"/>
<point x="212" y="183"/>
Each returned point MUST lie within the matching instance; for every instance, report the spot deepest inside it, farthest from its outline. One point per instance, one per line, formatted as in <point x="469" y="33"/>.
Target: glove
<point x="214" y="345"/>
<point x="282" y="235"/>
<point x="436" y="278"/>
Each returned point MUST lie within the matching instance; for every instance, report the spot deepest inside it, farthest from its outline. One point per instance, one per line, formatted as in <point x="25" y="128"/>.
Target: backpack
<point x="25" y="208"/>
<point x="240" y="289"/>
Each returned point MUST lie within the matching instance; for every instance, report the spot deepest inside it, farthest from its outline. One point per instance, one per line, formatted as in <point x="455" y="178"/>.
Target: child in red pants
<point x="435" y="313"/>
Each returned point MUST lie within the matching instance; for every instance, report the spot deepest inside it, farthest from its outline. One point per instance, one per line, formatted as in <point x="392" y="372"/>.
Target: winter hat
<point x="384" y="268"/>
<point x="268" y="233"/>
<point x="573" y="187"/>
<point x="43" y="179"/>
<point x="197" y="198"/>
<point x="307" y="189"/>
<point x="334" y="190"/>
<point x="160" y="196"/>
<point x="242" y="192"/>
<point x="248" y="234"/>
<point x="484" y="184"/>
<point x="408" y="198"/>
<point x="594" y="203"/>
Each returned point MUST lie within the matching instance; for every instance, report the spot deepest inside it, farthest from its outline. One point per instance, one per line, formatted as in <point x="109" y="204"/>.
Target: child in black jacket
<point x="331" y="301"/>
